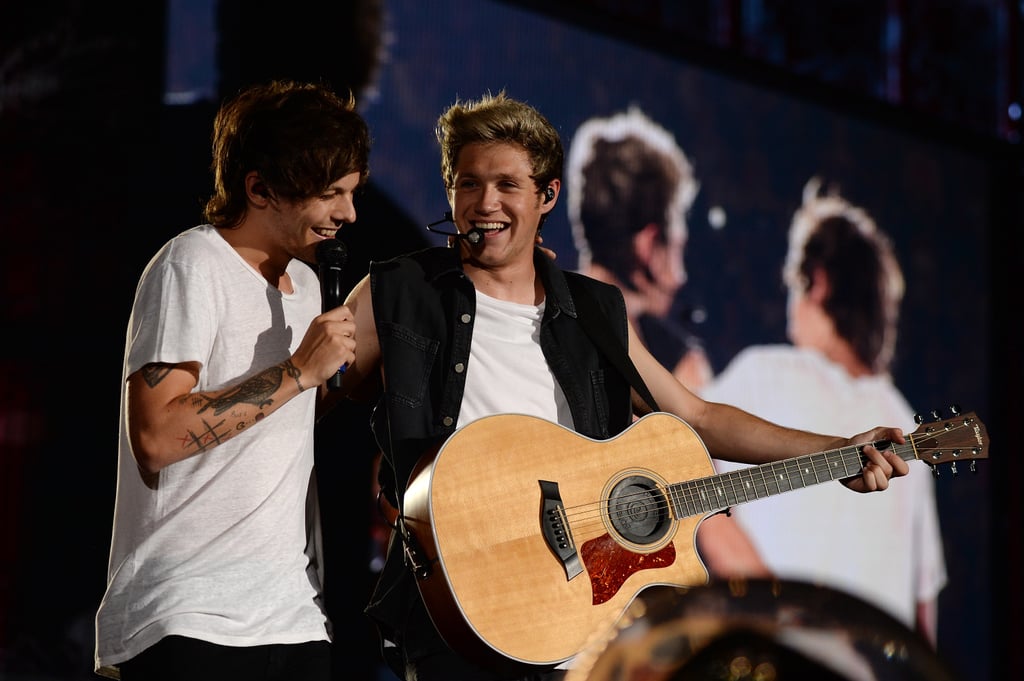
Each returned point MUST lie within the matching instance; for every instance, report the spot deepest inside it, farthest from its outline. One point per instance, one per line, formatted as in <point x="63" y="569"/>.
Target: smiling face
<point x="493" y="192"/>
<point x="298" y="226"/>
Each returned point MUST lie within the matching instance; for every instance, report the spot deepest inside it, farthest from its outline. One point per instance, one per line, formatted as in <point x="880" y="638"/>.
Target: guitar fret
<point x="691" y="496"/>
<point x="751" y="489"/>
<point x="697" y="498"/>
<point x="757" y="483"/>
<point x="780" y="474"/>
<point x="723" y="488"/>
<point x="677" y="500"/>
<point x="737" y="488"/>
<point x="852" y="461"/>
<point x="764" y="480"/>
<point x="726" y="492"/>
<point x="705" y="499"/>
<point x="682" y="499"/>
<point x="670" y="491"/>
<point x="804" y="471"/>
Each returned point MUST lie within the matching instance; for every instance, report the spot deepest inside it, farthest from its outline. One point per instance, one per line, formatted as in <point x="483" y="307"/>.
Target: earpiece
<point x="549" y="194"/>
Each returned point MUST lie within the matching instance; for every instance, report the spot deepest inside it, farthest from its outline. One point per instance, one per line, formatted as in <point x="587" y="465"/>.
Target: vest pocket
<point x="407" y="358"/>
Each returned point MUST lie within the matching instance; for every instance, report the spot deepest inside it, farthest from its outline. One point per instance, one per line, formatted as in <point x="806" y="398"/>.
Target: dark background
<point x="105" y="119"/>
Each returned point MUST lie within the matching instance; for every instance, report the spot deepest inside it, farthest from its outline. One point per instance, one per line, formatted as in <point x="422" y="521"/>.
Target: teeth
<point x="490" y="226"/>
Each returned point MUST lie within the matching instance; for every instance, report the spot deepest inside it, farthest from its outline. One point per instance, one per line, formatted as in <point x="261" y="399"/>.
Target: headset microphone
<point x="473" y="236"/>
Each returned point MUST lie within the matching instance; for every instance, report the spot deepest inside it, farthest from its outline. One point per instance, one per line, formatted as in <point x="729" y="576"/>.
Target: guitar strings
<point x="694" y="493"/>
<point x="702" y="495"/>
<point x="692" y="498"/>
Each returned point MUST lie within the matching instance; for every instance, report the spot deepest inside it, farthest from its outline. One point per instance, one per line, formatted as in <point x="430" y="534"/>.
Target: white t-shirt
<point x="883" y="547"/>
<point x="225" y="546"/>
<point x="507" y="372"/>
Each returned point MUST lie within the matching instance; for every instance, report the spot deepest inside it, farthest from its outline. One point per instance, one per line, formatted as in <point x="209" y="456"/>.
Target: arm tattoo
<point x="257" y="390"/>
<point x="294" y="372"/>
<point x="155" y="372"/>
<point x="207" y="439"/>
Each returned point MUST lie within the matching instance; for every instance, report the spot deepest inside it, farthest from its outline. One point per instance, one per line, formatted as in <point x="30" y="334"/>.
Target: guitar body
<point x="504" y="586"/>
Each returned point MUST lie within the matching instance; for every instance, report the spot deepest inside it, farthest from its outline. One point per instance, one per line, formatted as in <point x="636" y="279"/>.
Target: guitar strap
<point x="414" y="558"/>
<point x="589" y="314"/>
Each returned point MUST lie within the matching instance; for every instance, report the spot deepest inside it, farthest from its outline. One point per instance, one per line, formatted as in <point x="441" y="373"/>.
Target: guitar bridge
<point x="555" y="529"/>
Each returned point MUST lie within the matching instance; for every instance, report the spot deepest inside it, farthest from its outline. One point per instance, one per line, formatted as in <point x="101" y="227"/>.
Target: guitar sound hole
<point x="638" y="510"/>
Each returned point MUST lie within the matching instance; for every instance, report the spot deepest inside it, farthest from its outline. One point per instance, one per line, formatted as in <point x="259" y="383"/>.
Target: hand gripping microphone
<point x="330" y="258"/>
<point x="473" y="236"/>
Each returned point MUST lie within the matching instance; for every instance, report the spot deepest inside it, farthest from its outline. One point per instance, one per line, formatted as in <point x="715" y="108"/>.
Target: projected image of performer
<point x="845" y="287"/>
<point x="629" y="186"/>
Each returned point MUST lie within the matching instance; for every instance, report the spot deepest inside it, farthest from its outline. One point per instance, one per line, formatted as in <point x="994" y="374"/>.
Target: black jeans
<point x="176" y="658"/>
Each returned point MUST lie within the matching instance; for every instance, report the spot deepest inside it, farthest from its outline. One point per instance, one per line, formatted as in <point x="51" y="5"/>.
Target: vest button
<point x="459" y="367"/>
<point x="465" y="318"/>
<point x="447" y="420"/>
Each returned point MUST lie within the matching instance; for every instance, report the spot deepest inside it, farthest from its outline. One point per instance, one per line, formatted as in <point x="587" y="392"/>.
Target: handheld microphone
<point x="473" y="236"/>
<point x="330" y="258"/>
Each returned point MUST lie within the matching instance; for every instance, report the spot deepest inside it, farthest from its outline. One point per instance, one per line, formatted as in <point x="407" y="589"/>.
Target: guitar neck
<point x="718" y="492"/>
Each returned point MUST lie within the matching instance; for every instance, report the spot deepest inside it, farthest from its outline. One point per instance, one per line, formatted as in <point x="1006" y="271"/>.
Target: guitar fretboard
<point x="718" y="492"/>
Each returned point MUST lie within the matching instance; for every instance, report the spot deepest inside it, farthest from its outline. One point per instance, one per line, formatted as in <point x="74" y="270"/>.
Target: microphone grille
<point x="331" y="252"/>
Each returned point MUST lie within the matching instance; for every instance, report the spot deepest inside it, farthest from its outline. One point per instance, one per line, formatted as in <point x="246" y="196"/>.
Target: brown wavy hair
<point x="299" y="137"/>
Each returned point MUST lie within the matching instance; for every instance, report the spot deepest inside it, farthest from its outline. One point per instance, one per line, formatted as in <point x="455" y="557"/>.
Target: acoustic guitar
<point x="528" y="538"/>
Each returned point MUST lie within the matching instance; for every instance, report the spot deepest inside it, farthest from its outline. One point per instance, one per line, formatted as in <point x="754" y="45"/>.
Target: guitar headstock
<point x="962" y="437"/>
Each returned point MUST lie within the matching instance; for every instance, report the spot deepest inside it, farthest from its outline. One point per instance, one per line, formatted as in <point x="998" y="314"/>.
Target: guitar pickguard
<point x="610" y="565"/>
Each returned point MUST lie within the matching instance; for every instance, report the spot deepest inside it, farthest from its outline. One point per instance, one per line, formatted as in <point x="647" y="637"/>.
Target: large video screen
<point x="753" y="149"/>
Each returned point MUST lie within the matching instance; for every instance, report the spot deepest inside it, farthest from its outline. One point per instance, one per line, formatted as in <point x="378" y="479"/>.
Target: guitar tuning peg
<point x="954" y="409"/>
<point x="952" y="467"/>
<point x="935" y="471"/>
<point x="918" y="419"/>
<point x="936" y="415"/>
<point x="974" y="466"/>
